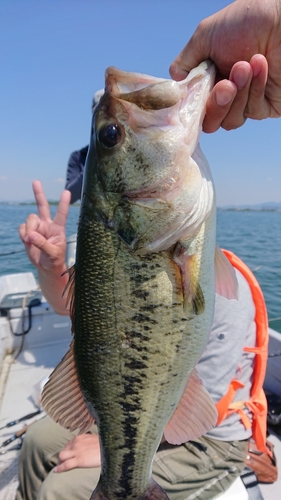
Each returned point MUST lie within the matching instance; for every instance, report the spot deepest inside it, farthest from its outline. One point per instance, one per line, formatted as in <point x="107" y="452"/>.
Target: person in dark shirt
<point x="76" y="164"/>
<point x="74" y="174"/>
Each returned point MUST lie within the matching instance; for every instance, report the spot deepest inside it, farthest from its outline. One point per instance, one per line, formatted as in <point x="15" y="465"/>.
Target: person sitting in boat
<point x="55" y="463"/>
<point x="76" y="163"/>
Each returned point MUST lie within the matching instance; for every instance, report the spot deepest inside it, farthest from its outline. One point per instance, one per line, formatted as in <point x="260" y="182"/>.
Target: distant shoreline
<point x="242" y="208"/>
<point x="237" y="209"/>
<point x="26" y="203"/>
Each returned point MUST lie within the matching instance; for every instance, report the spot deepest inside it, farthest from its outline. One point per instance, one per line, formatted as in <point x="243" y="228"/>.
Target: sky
<point x="53" y="56"/>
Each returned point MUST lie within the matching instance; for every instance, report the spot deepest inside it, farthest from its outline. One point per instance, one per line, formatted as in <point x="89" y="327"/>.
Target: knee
<point x="76" y="483"/>
<point x="49" y="488"/>
<point x="35" y="437"/>
<point x="43" y="438"/>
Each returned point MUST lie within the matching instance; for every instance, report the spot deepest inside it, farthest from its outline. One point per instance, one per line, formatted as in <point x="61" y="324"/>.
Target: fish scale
<point x="129" y="350"/>
<point x="142" y="289"/>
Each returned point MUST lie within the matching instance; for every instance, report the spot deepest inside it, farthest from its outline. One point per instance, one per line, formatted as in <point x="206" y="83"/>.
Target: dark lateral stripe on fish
<point x="141" y="294"/>
<point x="149" y="307"/>
<point x="141" y="318"/>
<point x="130" y="382"/>
<point x="134" y="334"/>
<point x="135" y="364"/>
<point x="138" y="348"/>
<point x="139" y="279"/>
<point x="130" y="431"/>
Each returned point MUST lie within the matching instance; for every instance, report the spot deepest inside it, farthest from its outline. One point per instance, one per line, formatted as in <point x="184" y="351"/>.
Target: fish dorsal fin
<point x="195" y="414"/>
<point x="62" y="398"/>
<point x="68" y="293"/>
<point x="225" y="276"/>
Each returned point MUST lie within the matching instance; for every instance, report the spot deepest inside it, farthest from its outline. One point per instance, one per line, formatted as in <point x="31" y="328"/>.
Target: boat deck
<point x="20" y="382"/>
<point x="21" y="377"/>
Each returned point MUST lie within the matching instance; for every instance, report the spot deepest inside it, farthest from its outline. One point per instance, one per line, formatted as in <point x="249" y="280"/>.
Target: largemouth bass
<point x="144" y="280"/>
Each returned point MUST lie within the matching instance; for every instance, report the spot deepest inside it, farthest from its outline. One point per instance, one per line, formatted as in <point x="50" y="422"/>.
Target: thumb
<point x="195" y="51"/>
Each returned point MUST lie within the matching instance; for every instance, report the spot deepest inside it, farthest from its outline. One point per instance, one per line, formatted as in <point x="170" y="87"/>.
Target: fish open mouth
<point x="151" y="93"/>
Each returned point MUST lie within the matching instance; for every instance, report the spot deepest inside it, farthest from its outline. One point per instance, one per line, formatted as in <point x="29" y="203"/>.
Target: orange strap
<point x="223" y="404"/>
<point x="257" y="403"/>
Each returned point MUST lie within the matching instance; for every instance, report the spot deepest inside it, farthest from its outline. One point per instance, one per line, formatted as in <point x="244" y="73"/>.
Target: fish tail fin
<point x="98" y="494"/>
<point x="154" y="492"/>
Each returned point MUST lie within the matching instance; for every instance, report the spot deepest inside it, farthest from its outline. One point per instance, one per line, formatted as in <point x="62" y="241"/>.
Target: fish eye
<point x="109" y="135"/>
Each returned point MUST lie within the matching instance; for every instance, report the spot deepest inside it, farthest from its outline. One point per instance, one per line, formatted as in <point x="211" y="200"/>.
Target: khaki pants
<point x="200" y="469"/>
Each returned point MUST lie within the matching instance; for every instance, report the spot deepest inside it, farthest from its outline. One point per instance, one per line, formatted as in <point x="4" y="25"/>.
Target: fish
<point x="141" y="293"/>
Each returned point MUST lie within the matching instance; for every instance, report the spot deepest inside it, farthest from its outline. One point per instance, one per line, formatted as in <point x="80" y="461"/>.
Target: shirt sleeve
<point x="233" y="328"/>
<point x="74" y="177"/>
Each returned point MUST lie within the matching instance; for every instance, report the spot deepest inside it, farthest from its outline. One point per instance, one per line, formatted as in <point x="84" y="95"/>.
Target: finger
<point x="68" y="446"/>
<point x="218" y="105"/>
<point x="41" y="201"/>
<point x="66" y="453"/>
<point x="22" y="231"/>
<point x="32" y="223"/>
<point x="257" y="106"/>
<point x="192" y="54"/>
<point x="66" y="465"/>
<point x="241" y="75"/>
<point x="36" y="239"/>
<point x="62" y="211"/>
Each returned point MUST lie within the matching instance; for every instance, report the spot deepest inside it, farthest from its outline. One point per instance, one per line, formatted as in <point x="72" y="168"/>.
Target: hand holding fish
<point x="81" y="451"/>
<point x="252" y="34"/>
<point x="45" y="245"/>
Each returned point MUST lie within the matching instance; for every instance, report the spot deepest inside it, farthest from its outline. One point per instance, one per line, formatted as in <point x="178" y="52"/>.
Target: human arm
<point x="45" y="245"/>
<point x="81" y="451"/>
<point x="244" y="41"/>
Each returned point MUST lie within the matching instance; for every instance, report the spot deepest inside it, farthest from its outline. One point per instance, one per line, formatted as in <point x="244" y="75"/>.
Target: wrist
<point x="52" y="284"/>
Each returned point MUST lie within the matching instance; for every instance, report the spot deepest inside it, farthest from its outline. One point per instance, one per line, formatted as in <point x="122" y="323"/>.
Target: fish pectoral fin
<point x="225" y="276"/>
<point x="62" y="398"/>
<point x="69" y="293"/>
<point x="195" y="414"/>
<point x="193" y="297"/>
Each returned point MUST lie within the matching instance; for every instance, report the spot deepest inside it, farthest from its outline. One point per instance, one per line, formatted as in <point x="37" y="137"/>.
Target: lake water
<point x="254" y="236"/>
